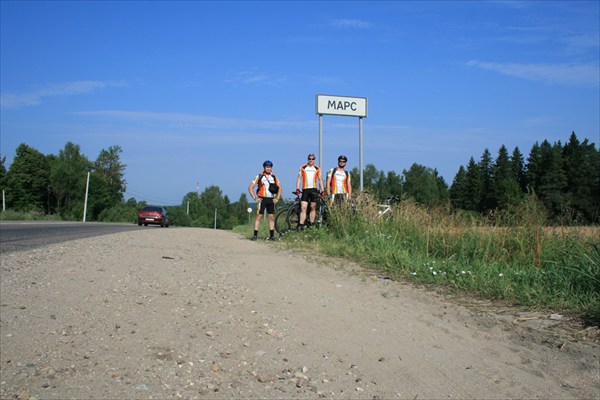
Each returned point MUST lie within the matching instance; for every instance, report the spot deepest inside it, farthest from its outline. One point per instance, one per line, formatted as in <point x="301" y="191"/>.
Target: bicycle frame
<point x="387" y="206"/>
<point x="287" y="219"/>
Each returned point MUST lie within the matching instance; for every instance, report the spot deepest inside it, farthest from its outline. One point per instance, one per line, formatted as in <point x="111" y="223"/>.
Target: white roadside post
<point x="345" y="106"/>
<point x="87" y="186"/>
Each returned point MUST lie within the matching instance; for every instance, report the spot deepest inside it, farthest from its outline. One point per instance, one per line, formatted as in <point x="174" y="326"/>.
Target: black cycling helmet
<point x="342" y="158"/>
<point x="268" y="163"/>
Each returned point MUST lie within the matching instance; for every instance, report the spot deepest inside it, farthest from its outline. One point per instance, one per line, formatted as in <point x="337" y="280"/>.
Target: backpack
<point x="332" y="172"/>
<point x="273" y="188"/>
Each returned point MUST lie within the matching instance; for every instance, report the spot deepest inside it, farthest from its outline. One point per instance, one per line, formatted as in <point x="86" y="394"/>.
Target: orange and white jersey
<point x="340" y="181"/>
<point x="310" y="175"/>
<point x="263" y="180"/>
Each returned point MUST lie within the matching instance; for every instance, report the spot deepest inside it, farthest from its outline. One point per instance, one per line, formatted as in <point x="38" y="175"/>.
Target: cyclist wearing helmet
<point x="339" y="185"/>
<point x="267" y="195"/>
<point x="310" y="178"/>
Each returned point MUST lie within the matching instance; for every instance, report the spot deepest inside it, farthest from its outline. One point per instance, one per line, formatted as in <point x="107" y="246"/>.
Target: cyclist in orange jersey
<point x="311" y="182"/>
<point x="339" y="184"/>
<point x="267" y="195"/>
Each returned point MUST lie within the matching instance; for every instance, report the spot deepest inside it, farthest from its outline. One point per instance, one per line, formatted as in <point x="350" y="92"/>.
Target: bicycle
<point x="287" y="219"/>
<point x="387" y="205"/>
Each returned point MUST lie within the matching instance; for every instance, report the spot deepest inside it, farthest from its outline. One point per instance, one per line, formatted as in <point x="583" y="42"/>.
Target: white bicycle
<point x="387" y="205"/>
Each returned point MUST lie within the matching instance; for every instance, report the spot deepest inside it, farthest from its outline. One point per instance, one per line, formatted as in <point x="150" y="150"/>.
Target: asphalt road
<point x="24" y="235"/>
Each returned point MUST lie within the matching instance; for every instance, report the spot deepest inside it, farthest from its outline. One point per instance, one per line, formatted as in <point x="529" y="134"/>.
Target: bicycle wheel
<point x="322" y="211"/>
<point x="293" y="216"/>
<point x="281" y="224"/>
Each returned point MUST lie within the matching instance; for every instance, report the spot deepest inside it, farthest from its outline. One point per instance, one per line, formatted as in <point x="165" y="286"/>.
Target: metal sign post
<point x="345" y="106"/>
<point x="321" y="140"/>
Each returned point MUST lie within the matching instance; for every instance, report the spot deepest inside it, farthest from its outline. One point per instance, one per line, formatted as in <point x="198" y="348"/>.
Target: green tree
<point x="27" y="180"/>
<point x="506" y="189"/>
<point x="202" y="209"/>
<point x="534" y="168"/>
<point x="487" y="196"/>
<point x="582" y="170"/>
<point x="443" y="192"/>
<point x="422" y="185"/>
<point x="394" y="184"/>
<point x="68" y="175"/>
<point x="518" y="168"/>
<point x="370" y="179"/>
<point x="107" y="182"/>
<point x="195" y="211"/>
<point x="112" y="171"/>
<point x="2" y="172"/>
<point x="553" y="181"/>
<point x="458" y="190"/>
<point x="213" y="201"/>
<point x="240" y="209"/>
<point x="473" y="187"/>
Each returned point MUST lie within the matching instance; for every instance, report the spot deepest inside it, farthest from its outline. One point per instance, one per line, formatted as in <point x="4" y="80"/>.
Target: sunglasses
<point x="342" y="161"/>
<point x="311" y="159"/>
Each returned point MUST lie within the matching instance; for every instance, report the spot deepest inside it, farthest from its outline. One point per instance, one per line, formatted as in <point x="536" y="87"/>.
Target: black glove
<point x="298" y="192"/>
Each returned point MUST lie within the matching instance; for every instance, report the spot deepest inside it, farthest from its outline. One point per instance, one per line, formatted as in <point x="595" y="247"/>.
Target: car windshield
<point x="156" y="209"/>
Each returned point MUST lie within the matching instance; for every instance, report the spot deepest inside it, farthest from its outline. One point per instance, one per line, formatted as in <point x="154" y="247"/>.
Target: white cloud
<point x="191" y="121"/>
<point x="350" y="23"/>
<point x="35" y="97"/>
<point x="581" y="44"/>
<point x="564" y="74"/>
<point x="254" y="78"/>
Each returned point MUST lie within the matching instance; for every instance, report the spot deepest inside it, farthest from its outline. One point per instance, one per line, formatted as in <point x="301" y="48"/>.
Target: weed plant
<point x="512" y="257"/>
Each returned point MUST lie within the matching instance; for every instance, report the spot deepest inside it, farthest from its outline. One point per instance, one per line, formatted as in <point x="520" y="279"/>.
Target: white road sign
<point x="340" y="105"/>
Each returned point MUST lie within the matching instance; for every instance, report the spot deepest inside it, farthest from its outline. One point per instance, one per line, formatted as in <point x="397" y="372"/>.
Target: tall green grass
<point x="10" y="215"/>
<point x="510" y="257"/>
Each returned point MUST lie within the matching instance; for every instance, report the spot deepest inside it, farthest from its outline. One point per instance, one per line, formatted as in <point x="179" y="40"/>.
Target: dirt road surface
<point x="193" y="313"/>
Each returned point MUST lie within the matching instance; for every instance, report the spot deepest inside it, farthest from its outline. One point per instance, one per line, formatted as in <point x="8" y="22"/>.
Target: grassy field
<point x="514" y="258"/>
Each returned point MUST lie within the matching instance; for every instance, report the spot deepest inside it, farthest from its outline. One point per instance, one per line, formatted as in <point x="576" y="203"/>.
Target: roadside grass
<point x="248" y="228"/>
<point x="513" y="259"/>
<point x="10" y="215"/>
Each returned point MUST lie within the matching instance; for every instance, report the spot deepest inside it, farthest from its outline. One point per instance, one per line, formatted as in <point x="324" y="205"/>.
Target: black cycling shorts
<point x="310" y="195"/>
<point x="268" y="204"/>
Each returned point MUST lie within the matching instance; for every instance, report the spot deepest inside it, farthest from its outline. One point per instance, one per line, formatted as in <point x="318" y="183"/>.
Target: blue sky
<point x="203" y="92"/>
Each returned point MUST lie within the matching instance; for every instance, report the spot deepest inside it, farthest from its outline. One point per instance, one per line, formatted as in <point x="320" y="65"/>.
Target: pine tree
<point x="458" y="191"/>
<point x="534" y="168"/>
<point x="442" y="188"/>
<point x="473" y="187"/>
<point x="487" y="201"/>
<point x="506" y="189"/>
<point x="553" y="181"/>
<point x="582" y="170"/>
<point x="518" y="167"/>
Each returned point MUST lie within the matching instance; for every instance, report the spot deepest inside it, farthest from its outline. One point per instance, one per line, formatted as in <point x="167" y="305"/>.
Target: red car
<point x="153" y="215"/>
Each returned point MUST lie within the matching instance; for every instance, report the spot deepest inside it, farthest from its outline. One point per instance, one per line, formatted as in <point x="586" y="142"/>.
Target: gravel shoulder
<point x="199" y="313"/>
